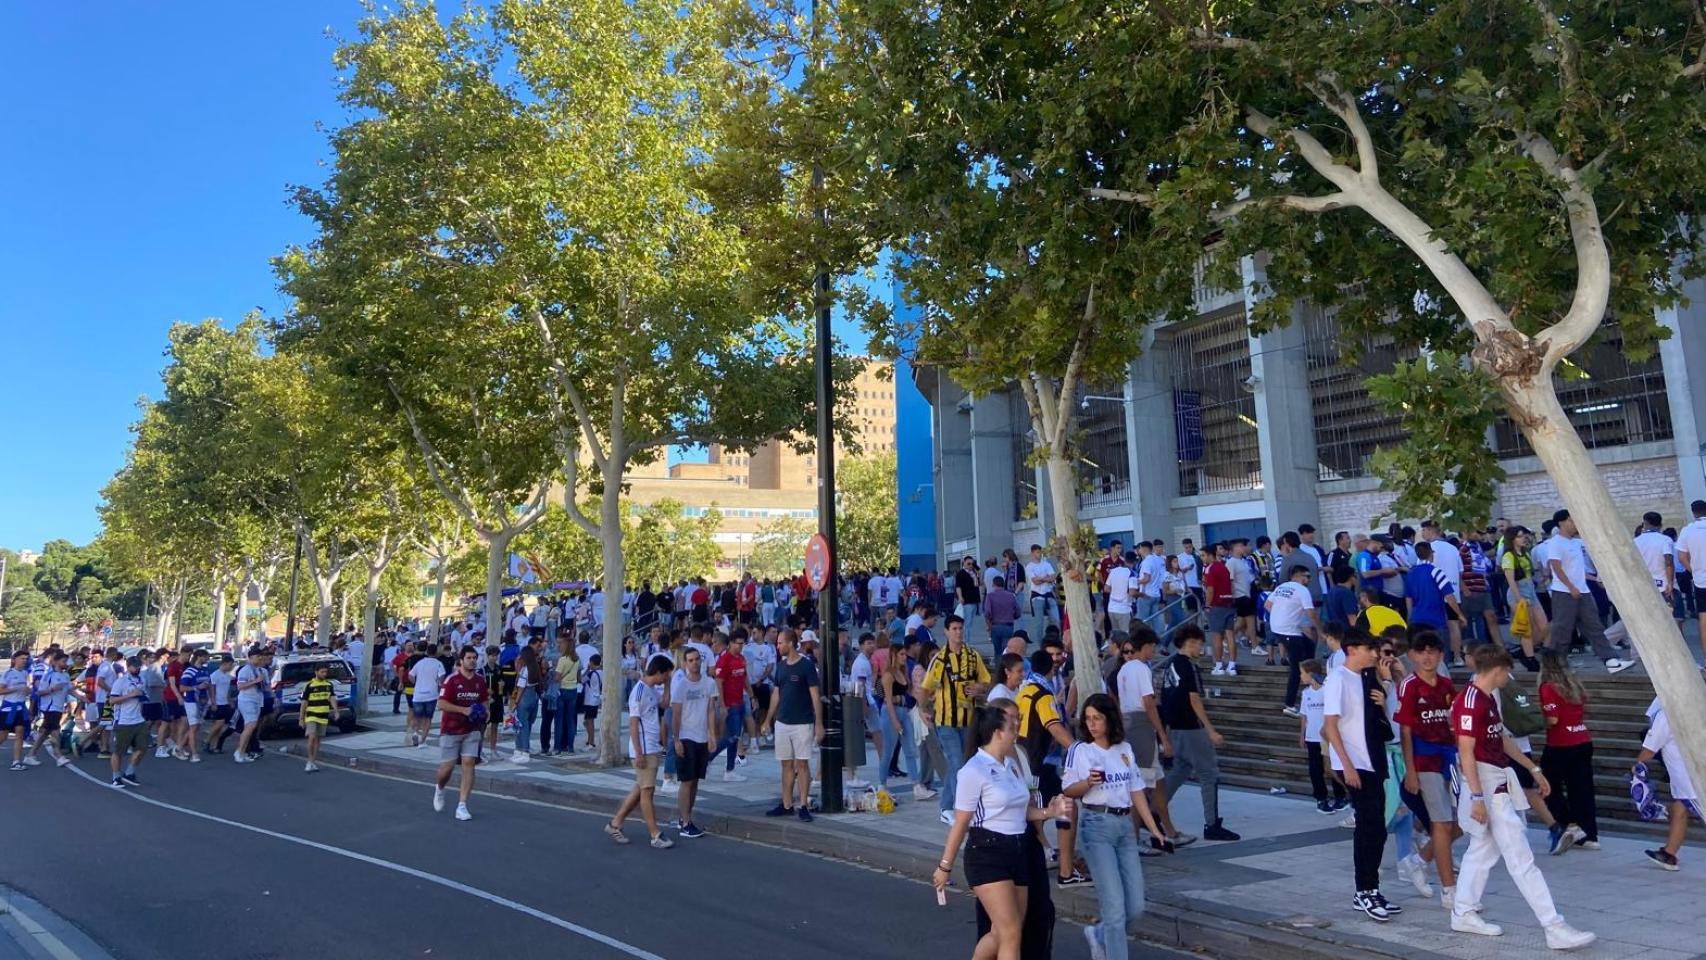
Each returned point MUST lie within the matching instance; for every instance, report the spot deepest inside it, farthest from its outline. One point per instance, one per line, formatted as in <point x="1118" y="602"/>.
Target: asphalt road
<point x="151" y="882"/>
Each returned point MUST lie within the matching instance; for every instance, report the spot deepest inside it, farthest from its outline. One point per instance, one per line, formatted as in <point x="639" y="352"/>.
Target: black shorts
<point x="219" y="713"/>
<point x="1523" y="776"/>
<point x="14" y="717"/>
<point x="1700" y="598"/>
<point x="1048" y="782"/>
<point x="174" y="710"/>
<point x="152" y="712"/>
<point x="693" y="760"/>
<point x="1244" y="606"/>
<point x="761" y="698"/>
<point x="993" y="857"/>
<point x="49" y="721"/>
<point x="1452" y="617"/>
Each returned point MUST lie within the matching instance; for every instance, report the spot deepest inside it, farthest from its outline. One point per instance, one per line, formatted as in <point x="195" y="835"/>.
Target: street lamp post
<point x="828" y="609"/>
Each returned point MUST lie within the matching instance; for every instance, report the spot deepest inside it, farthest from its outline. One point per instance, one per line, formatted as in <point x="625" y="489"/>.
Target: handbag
<point x="1521" y="624"/>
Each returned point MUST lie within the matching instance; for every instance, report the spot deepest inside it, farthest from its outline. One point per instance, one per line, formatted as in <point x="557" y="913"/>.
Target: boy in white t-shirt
<point x="1313" y="713"/>
<point x="1660" y="741"/>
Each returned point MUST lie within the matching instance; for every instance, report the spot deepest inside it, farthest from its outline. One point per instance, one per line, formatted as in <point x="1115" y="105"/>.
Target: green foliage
<point x="659" y="543"/>
<point x="1446" y="408"/>
<point x="31" y="613"/>
<point x="867" y="514"/>
<point x="779" y="549"/>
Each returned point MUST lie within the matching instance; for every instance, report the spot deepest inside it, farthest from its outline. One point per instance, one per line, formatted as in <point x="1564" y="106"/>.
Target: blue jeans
<point x="732" y="726"/>
<point x="1145" y="608"/>
<point x="908" y="749"/>
<point x="525" y="712"/>
<point x="999" y="634"/>
<point x="1109" y="844"/>
<point x="953" y="742"/>
<point x="568" y="719"/>
<point x="1045" y="609"/>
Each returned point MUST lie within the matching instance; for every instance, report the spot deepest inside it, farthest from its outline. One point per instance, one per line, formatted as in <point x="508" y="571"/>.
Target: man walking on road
<point x="130" y="730"/>
<point x="693" y="703"/>
<point x="463" y="699"/>
<point x="645" y="749"/>
<point x="1571" y="604"/>
<point x="251" y="679"/>
<point x="796" y="715"/>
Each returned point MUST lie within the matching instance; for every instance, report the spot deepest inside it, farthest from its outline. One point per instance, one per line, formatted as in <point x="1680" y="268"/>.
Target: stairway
<point x="1262" y="749"/>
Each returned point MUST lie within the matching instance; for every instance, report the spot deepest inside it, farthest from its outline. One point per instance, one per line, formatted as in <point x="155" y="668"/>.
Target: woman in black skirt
<point x="993" y="814"/>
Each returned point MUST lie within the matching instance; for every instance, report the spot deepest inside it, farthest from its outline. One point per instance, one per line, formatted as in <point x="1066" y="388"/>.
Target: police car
<point x="292" y="673"/>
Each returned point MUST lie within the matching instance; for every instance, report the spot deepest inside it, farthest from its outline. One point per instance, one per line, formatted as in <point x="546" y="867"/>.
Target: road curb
<point x="1171" y="920"/>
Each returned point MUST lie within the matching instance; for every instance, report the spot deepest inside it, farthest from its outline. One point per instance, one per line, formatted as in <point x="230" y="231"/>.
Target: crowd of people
<point x="1030" y="774"/>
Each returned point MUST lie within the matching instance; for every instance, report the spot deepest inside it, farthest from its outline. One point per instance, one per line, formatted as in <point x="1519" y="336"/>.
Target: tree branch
<point x="1033" y="401"/>
<point x="1334" y="97"/>
<point x="1322" y="204"/>
<point x="1593" y="259"/>
<point x="1074" y="364"/>
<point x="1105" y="193"/>
<point x="599" y="457"/>
<point x="1202" y="39"/>
<point x="1317" y="156"/>
<point x="1568" y="67"/>
<point x="461" y="499"/>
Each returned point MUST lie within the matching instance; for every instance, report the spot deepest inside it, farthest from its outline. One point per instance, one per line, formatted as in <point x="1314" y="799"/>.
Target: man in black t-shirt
<point x="968" y="593"/>
<point x="1192" y="734"/>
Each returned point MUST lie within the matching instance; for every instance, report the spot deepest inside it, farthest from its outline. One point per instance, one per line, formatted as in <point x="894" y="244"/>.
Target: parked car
<point x="291" y="673"/>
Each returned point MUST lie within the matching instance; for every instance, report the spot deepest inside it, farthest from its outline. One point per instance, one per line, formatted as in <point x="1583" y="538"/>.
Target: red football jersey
<point x="1427" y="712"/>
<point x="1476" y="714"/>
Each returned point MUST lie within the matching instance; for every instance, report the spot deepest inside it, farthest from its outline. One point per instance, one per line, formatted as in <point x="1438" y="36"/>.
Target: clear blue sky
<point x="147" y="151"/>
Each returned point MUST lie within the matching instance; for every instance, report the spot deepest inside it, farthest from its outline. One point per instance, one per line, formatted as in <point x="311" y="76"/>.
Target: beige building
<point x="778" y="465"/>
<point x="745" y="510"/>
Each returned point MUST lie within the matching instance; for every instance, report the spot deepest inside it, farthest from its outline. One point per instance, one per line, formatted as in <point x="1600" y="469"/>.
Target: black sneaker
<point x="1663" y="858"/>
<point x="805" y="815"/>
<point x="1374" y="909"/>
<point x="130" y="779"/>
<point x="1392" y="909"/>
<point x="118" y="784"/>
<point x="1215" y="831"/>
<point x="1324" y="806"/>
<point x="1076" y="879"/>
<point x="778" y="811"/>
<point x="690" y="831"/>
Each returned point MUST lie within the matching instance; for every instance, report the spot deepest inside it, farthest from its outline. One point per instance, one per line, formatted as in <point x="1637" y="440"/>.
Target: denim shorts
<point x="423" y="710"/>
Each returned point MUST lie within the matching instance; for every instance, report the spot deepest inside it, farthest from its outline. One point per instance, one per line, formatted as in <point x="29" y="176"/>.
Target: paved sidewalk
<point x="1285" y="885"/>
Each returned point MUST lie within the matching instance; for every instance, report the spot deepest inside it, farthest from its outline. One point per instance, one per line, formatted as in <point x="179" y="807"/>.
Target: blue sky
<point x="146" y="152"/>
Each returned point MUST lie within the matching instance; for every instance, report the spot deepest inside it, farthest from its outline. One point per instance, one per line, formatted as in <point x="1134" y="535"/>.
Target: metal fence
<point x="1214" y="408"/>
<point x="1611" y="400"/>
<point x="1349" y="424"/>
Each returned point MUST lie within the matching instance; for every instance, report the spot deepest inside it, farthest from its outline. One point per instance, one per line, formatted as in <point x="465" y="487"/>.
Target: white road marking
<point x="487" y="896"/>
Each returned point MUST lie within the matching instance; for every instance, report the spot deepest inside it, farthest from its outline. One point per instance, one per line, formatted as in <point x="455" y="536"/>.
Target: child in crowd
<point x="1313" y="708"/>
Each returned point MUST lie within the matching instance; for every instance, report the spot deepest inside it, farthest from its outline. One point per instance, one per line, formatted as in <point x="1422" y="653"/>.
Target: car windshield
<point x="303" y="672"/>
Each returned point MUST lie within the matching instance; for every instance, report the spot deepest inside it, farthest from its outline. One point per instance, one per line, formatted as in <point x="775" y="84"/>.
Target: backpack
<point x="1522" y="716"/>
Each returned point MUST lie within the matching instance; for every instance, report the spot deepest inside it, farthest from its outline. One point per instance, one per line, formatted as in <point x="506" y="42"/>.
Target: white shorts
<point x="192" y="714"/>
<point x="250" y="711"/>
<point x="92" y="713"/>
<point x="794" y="741"/>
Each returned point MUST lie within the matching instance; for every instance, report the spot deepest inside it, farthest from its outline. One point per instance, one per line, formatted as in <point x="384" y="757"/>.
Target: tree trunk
<point x="261" y="589"/>
<point x="242" y="639"/>
<point x="370" y="634"/>
<point x="615" y="569"/>
<point x="1072" y="588"/>
<point x="323" y="589"/>
<point x="438" y="597"/>
<point x="218" y="612"/>
<point x="1670" y="666"/>
<point x="497" y="556"/>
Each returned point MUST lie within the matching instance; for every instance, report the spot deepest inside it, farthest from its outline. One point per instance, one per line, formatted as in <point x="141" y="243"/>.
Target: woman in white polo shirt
<point x="1103" y="776"/>
<point x="992" y="812"/>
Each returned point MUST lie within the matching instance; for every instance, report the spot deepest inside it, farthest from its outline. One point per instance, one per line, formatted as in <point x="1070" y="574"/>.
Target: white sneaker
<point x="1472" y="923"/>
<point x="1577" y="832"/>
<point x="1613" y="665"/>
<point x="669" y="786"/>
<point x="922" y="792"/>
<point x="63" y="761"/>
<point x="1219" y="671"/>
<point x="1415" y="871"/>
<point x="308" y="768"/>
<point x="520" y="757"/>
<point x="1232" y="669"/>
<point x="438" y="799"/>
<point x="947" y="817"/>
<point x="1349" y="823"/>
<point x="729" y="776"/>
<point x="1093" y="937"/>
<point x="31" y="762"/>
<point x="462" y="812"/>
<point x="160" y="753"/>
<point x="1562" y="936"/>
<point x="195" y="758"/>
<point x="241" y="757"/>
<point x="1446" y="897"/>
